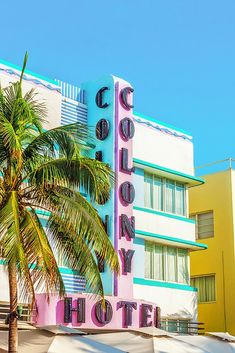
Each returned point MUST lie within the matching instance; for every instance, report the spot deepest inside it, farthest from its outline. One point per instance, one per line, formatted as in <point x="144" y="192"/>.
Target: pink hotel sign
<point x="122" y="310"/>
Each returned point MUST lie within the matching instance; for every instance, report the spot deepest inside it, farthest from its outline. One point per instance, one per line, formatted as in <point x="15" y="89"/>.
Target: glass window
<point x="158" y="273"/>
<point x="206" y="288"/>
<point x="149" y="259"/>
<point x="172" y="325"/>
<point x="148" y="190"/>
<point x="163" y="325"/>
<point x="183" y="326"/>
<point x="166" y="263"/>
<point x="154" y="261"/>
<point x="158" y="193"/>
<point x="204" y="224"/>
<point x="175" y="325"/>
<point x="171" y="264"/>
<point x="170" y="196"/>
<point x="180" y="199"/>
<point x="164" y="194"/>
<point x="183" y="273"/>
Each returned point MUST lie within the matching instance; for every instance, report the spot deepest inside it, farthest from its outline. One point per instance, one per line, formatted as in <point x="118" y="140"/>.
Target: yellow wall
<point x="218" y="259"/>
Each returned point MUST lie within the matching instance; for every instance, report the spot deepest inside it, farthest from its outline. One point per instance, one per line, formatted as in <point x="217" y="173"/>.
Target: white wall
<point x="4" y="291"/>
<point x="162" y="149"/>
<point x="173" y="302"/>
<point x="154" y="223"/>
<point x="52" y="99"/>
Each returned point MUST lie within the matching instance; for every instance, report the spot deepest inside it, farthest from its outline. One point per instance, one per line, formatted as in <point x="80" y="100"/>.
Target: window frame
<point x="165" y="263"/>
<point x="215" y="293"/>
<point x="164" y="181"/>
<point x="178" y="321"/>
<point x="195" y="217"/>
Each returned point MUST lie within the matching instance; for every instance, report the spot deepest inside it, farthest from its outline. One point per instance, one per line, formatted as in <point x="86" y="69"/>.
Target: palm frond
<point x="40" y="256"/>
<point x="71" y="207"/>
<point x="92" y="177"/>
<point x="76" y="253"/>
<point x="67" y="140"/>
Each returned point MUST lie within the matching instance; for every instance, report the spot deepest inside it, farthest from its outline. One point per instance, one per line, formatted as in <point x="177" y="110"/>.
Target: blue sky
<point x="178" y="54"/>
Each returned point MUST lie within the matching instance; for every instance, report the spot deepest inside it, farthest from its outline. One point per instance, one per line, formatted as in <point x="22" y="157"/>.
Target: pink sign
<point x="84" y="311"/>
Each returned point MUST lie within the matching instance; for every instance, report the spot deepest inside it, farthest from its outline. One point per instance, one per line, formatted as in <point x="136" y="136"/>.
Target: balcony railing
<point x="183" y="327"/>
<point x="217" y="166"/>
<point x="25" y="313"/>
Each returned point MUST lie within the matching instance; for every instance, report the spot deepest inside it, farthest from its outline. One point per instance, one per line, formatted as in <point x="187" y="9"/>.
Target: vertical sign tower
<point x="124" y="193"/>
<point x="110" y="104"/>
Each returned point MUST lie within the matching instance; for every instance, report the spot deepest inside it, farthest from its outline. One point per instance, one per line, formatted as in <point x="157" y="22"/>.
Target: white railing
<point x="217" y="166"/>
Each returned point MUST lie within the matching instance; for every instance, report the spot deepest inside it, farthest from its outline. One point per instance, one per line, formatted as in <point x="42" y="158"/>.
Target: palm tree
<point x="44" y="170"/>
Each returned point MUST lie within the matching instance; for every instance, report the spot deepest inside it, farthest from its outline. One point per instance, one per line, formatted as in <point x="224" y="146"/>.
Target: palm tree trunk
<point x="13" y="335"/>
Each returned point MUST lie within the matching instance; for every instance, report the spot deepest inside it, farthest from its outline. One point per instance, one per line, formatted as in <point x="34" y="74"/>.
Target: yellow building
<point x="213" y="270"/>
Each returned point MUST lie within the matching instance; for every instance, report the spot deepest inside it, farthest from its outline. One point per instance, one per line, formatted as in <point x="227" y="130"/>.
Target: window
<point x="206" y="288"/>
<point x="204" y="224"/>
<point x="171" y="264"/>
<point x="164" y="194"/>
<point x="172" y="326"/>
<point x="166" y="263"/>
<point x="183" y="273"/>
<point x="175" y="325"/>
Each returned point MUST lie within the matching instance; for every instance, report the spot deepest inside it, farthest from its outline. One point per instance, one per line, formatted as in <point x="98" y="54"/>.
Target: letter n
<point x="127" y="226"/>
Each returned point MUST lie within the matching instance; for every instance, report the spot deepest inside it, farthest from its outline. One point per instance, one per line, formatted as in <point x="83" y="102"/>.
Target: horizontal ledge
<point x="164" y="214"/>
<point x="188" y="179"/>
<point x="153" y="283"/>
<point x="188" y="244"/>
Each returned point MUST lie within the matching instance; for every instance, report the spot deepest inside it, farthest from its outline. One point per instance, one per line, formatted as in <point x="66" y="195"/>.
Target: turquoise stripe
<point x="153" y="283"/>
<point x="13" y="66"/>
<point x="62" y="269"/>
<point x="171" y="171"/>
<point x="68" y="271"/>
<point x="43" y="213"/>
<point x="172" y="239"/>
<point x="164" y="214"/>
<point x="161" y="123"/>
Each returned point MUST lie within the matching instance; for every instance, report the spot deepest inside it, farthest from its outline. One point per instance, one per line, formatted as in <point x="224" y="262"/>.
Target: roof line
<point x="27" y="72"/>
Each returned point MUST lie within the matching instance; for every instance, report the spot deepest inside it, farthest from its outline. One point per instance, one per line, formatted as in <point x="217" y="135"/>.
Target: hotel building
<point x="146" y="217"/>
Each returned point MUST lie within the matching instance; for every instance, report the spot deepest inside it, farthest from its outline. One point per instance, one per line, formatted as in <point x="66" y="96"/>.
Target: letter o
<point x="102" y="129"/>
<point x="127" y="192"/>
<point x="103" y="317"/>
<point x="127" y="128"/>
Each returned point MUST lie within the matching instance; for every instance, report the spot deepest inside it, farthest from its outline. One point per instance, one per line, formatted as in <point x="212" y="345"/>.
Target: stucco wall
<point x="163" y="149"/>
<point x="173" y="302"/>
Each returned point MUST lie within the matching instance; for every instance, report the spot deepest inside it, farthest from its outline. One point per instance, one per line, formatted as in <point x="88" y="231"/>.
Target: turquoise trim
<point x="171" y="171"/>
<point x="153" y="283"/>
<point x="62" y="269"/>
<point x="68" y="271"/>
<point x="172" y="239"/>
<point x="164" y="214"/>
<point x="13" y="66"/>
<point x="161" y="123"/>
<point x="138" y="241"/>
<point x="43" y="213"/>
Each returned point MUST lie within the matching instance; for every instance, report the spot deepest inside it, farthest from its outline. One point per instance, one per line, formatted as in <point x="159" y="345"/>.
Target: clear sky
<point x="178" y="54"/>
